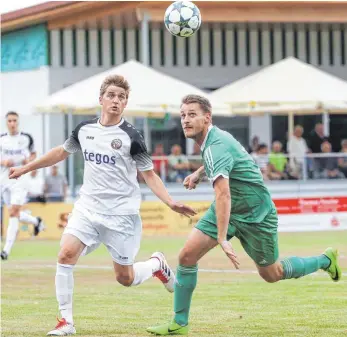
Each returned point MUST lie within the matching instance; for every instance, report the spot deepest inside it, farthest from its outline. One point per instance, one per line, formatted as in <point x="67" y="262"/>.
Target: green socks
<point x="295" y="267"/>
<point x="186" y="279"/>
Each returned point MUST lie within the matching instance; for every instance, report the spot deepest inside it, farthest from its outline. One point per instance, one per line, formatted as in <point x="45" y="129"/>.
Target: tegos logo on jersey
<point x="99" y="158"/>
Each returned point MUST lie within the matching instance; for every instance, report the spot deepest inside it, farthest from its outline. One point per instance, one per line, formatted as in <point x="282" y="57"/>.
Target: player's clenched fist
<point x="15" y="172"/>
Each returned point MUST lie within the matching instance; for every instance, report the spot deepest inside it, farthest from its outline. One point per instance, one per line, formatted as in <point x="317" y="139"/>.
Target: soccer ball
<point x="182" y="18"/>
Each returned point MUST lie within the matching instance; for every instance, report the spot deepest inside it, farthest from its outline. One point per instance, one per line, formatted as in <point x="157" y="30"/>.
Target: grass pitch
<point x="225" y="302"/>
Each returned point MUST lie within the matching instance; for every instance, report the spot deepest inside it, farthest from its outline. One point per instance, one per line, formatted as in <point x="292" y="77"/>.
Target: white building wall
<point x="21" y="91"/>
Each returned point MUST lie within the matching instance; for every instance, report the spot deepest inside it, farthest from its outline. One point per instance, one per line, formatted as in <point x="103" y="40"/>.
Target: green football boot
<point x="169" y="329"/>
<point x="334" y="269"/>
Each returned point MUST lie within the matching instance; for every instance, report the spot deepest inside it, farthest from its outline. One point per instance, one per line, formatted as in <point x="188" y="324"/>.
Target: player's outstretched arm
<point x="223" y="208"/>
<point x="52" y="157"/>
<point x="157" y="186"/>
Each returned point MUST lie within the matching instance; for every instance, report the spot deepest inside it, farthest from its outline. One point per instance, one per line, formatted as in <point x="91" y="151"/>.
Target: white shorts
<point x="14" y="193"/>
<point x="121" y="234"/>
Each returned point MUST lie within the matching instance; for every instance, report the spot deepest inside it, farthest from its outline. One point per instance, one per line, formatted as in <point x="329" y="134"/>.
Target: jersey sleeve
<point x="218" y="161"/>
<point x="140" y="154"/>
<point x="31" y="146"/>
<point x="72" y="144"/>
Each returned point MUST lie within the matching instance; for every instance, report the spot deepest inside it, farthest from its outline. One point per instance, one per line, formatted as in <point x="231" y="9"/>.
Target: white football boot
<point x="165" y="273"/>
<point x="63" y="328"/>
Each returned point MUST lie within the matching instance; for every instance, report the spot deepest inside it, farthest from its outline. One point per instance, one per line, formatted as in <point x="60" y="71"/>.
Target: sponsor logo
<point x="90" y="137"/>
<point x="99" y="158"/>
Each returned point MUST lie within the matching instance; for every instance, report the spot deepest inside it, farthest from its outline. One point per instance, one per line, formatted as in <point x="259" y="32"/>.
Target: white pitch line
<point x="91" y="267"/>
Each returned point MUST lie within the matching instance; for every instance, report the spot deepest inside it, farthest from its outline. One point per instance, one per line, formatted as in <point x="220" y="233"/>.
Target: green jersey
<point x="224" y="156"/>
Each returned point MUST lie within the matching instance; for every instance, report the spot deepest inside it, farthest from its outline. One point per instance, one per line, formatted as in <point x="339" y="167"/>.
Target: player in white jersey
<point x="108" y="208"/>
<point x="16" y="148"/>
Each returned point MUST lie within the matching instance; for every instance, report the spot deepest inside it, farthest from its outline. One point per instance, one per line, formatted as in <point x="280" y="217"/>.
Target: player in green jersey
<point x="242" y="208"/>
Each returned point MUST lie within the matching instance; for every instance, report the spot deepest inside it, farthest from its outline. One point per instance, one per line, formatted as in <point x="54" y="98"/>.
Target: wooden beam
<point x="102" y="11"/>
<point x="265" y="14"/>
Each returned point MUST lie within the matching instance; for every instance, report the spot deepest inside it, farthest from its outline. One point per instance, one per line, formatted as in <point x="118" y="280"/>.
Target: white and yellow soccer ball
<point x="182" y="18"/>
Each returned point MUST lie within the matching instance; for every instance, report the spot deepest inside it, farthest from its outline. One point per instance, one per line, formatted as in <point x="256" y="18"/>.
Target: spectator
<point x="36" y="187"/>
<point x="261" y="158"/>
<point x="297" y="149"/>
<point x="160" y="165"/>
<point x="342" y="162"/>
<point x="254" y="145"/>
<point x="277" y="162"/>
<point x="196" y="163"/>
<point x="316" y="138"/>
<point x="327" y="167"/>
<point x="55" y="186"/>
<point x="178" y="164"/>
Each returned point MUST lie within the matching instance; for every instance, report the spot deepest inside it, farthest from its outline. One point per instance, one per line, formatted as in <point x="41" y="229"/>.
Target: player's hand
<point x="16" y="172"/>
<point x="182" y="209"/>
<point x="25" y="161"/>
<point x="8" y="163"/>
<point x="230" y="253"/>
<point x="191" y="181"/>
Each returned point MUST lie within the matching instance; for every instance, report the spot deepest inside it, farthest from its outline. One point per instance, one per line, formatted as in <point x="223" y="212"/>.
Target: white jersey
<point x="112" y="155"/>
<point x="15" y="148"/>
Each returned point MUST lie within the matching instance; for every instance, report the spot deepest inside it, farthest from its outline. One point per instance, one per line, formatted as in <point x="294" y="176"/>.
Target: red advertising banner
<point x="311" y="205"/>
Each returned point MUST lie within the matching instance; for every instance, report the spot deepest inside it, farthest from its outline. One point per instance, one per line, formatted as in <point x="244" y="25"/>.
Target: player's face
<point x="114" y="100"/>
<point x="194" y="120"/>
<point x="12" y="123"/>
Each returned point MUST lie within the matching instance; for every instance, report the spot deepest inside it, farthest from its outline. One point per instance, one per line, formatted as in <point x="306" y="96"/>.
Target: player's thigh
<point x="121" y="234"/>
<point x="260" y="241"/>
<point x="80" y="229"/>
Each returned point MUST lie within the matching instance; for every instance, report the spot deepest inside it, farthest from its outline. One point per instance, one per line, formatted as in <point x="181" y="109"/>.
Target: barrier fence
<point x="295" y="215"/>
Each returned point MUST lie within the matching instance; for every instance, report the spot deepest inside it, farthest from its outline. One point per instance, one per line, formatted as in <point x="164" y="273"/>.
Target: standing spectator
<point x="343" y="160"/>
<point x="160" y="165"/>
<point x="55" y="186"/>
<point x="297" y="149"/>
<point x="327" y="167"/>
<point x="261" y="158"/>
<point x="253" y="147"/>
<point x="178" y="164"/>
<point x="36" y="187"/>
<point x="316" y="138"/>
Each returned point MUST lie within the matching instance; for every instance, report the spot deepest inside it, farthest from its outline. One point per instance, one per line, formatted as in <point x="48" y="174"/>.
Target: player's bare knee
<point x="67" y="255"/>
<point x="14" y="211"/>
<point x="125" y="279"/>
<point x="271" y="276"/>
<point x="185" y="258"/>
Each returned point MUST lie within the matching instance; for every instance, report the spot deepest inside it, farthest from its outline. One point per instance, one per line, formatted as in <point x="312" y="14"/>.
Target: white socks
<point x="144" y="270"/>
<point x="64" y="283"/>
<point x="24" y="216"/>
<point x="11" y="234"/>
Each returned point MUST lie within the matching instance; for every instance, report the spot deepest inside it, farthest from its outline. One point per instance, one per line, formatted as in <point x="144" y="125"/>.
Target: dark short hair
<point x="11" y="113"/>
<point x="262" y="146"/>
<point x="204" y="103"/>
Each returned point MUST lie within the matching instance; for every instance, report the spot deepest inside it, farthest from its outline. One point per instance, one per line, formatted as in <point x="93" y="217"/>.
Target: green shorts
<point x="259" y="240"/>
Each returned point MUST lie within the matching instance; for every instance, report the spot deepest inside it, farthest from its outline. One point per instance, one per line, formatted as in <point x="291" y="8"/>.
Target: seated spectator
<point x="196" y="163"/>
<point x="36" y="187"/>
<point x="160" y="165"/>
<point x="342" y="162"/>
<point x="327" y="167"/>
<point x="261" y="158"/>
<point x="178" y="164"/>
<point x="55" y="186"/>
<point x="297" y="150"/>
